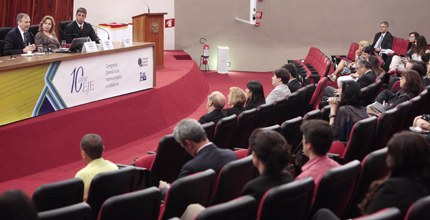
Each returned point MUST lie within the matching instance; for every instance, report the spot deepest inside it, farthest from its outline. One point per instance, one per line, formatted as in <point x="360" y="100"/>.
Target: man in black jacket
<point x="80" y="28"/>
<point x="19" y="40"/>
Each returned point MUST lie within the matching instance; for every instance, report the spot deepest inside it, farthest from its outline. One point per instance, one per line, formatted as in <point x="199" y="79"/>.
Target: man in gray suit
<point x="280" y="80"/>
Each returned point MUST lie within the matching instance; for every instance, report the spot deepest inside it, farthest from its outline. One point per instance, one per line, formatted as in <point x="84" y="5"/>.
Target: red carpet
<point x="46" y="149"/>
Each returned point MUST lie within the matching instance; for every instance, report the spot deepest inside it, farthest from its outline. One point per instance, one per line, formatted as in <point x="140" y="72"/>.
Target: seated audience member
<point x="317" y="138"/>
<point x="409" y="176"/>
<point x="16" y="205"/>
<point x="19" y="40"/>
<point x="346" y="110"/>
<point x="364" y="76"/>
<point x="236" y="99"/>
<point x="423" y="122"/>
<point x="280" y="80"/>
<point x="80" y="28"/>
<point x="383" y="39"/>
<point x="415" y="53"/>
<point x="355" y="76"/>
<point x="270" y="155"/>
<point x="254" y="94"/>
<point x="92" y="148"/>
<point x="412" y="41"/>
<point x="426" y="60"/>
<point x="46" y="36"/>
<point x="215" y="104"/>
<point x="190" y="134"/>
<point x="376" y="65"/>
<point x="294" y="84"/>
<point x="418" y="66"/>
<point x="410" y="86"/>
<point x="345" y="67"/>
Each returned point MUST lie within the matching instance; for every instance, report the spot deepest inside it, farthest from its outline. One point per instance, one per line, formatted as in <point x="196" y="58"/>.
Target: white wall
<point x="122" y="12"/>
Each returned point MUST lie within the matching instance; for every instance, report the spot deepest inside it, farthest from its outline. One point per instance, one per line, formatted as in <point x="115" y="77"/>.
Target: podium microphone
<point x="149" y="11"/>
<point x="107" y="32"/>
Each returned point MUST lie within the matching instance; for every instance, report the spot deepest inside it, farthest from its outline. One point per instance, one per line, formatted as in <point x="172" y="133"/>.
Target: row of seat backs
<point x="103" y="186"/>
<point x="350" y="56"/>
<point x="315" y="65"/>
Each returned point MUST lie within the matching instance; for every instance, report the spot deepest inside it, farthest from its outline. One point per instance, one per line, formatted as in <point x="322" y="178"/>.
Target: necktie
<point x="379" y="42"/>
<point x="81" y="27"/>
<point x="26" y="40"/>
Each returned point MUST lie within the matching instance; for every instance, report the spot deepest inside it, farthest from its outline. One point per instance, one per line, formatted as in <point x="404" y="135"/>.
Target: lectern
<point x="149" y="27"/>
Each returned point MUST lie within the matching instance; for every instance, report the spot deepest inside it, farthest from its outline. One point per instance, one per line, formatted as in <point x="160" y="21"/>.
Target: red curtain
<point x="61" y="10"/>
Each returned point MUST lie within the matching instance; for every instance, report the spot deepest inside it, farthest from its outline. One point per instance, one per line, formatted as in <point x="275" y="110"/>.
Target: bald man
<point x="215" y="104"/>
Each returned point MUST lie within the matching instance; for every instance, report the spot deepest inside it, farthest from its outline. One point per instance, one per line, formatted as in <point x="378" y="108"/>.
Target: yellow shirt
<point x="92" y="169"/>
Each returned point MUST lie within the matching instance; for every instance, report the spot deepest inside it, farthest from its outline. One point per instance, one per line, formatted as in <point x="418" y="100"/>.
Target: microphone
<point x="107" y="32"/>
<point x="149" y="11"/>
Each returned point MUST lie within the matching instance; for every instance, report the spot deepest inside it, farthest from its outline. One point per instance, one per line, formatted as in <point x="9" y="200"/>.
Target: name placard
<point x="106" y="45"/>
<point x="126" y="42"/>
<point x="89" y="47"/>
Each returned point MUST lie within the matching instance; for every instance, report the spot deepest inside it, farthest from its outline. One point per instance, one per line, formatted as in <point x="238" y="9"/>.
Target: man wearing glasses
<point x="382" y="39"/>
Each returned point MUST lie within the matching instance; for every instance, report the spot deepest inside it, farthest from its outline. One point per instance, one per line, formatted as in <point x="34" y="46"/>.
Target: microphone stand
<point x="107" y="32"/>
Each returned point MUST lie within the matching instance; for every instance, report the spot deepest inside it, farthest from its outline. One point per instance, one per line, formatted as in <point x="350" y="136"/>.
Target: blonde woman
<point x="236" y="101"/>
<point x="46" y="35"/>
<point x="344" y="67"/>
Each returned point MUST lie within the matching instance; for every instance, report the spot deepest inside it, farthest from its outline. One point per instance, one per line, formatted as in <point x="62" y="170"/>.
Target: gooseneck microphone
<point x="149" y="11"/>
<point x="107" y="32"/>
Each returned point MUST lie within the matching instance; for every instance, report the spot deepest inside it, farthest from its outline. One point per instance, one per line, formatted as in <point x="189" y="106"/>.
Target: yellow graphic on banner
<point x="19" y="91"/>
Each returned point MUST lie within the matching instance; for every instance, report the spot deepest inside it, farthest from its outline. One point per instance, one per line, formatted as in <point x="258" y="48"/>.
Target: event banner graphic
<point x="38" y="90"/>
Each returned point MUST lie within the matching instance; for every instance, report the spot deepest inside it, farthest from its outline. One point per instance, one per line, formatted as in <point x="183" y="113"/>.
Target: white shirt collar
<point x="203" y="147"/>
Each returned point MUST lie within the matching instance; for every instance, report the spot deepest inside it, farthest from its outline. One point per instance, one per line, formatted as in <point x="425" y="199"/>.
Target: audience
<point x="317" y="138"/>
<point x="236" y="99"/>
<point x="346" y="110"/>
<point x="215" y="104"/>
<point x="46" y="36"/>
<point x="280" y="80"/>
<point x="92" y="148"/>
<point x="254" y="94"/>
<point x="422" y="125"/>
<point x="412" y="41"/>
<point x="408" y="160"/>
<point x="270" y="155"/>
<point x="15" y="205"/>
<point x="410" y="86"/>
<point x="80" y="28"/>
<point x="415" y="53"/>
<point x="19" y="40"/>
<point x="345" y="67"/>
<point x="294" y="84"/>
<point x="192" y="137"/>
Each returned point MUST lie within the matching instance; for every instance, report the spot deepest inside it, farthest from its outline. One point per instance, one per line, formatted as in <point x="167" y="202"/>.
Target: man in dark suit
<point x="382" y="39"/>
<point x="293" y="84"/>
<point x="80" y="28"/>
<point x="192" y="137"/>
<point x="215" y="104"/>
<point x="364" y="76"/>
<point x="19" y="40"/>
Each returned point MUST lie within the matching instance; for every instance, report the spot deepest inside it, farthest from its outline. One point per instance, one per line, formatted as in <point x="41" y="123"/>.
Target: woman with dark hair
<point x="408" y="161"/>
<point x="15" y="205"/>
<point x="414" y="53"/>
<point x="254" y="94"/>
<point x="411" y="84"/>
<point x="346" y="110"/>
<point x="270" y="155"/>
<point x="376" y="65"/>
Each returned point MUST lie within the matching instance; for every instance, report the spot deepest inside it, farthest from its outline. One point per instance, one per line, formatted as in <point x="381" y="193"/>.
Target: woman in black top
<point x="255" y="94"/>
<point x="270" y="155"/>
<point x="408" y="161"/>
<point x="236" y="99"/>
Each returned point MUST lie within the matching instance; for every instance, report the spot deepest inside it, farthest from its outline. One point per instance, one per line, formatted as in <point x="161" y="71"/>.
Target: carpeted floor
<point x="177" y="90"/>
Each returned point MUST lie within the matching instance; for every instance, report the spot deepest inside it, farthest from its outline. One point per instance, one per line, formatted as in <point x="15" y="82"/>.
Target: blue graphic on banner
<point x="49" y="100"/>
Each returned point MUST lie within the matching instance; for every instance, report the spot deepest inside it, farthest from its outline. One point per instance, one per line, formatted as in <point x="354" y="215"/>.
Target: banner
<point x="38" y="90"/>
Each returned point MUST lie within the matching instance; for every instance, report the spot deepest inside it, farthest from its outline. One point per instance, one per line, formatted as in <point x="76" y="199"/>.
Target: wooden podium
<point x="149" y="27"/>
